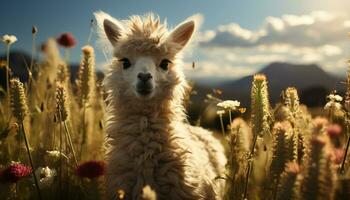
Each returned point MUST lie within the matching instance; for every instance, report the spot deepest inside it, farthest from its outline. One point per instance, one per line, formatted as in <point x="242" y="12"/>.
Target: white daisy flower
<point x="338" y="98"/>
<point x="229" y="104"/>
<point x="9" y="39"/>
<point x="220" y="112"/>
<point x="45" y="176"/>
<point x="335" y="97"/>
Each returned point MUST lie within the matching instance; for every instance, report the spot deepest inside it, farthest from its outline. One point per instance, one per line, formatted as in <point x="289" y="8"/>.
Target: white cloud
<point x="317" y="28"/>
<point x="231" y="51"/>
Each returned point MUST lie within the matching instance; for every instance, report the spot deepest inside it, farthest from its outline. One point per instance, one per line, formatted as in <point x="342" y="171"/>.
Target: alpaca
<point x="148" y="140"/>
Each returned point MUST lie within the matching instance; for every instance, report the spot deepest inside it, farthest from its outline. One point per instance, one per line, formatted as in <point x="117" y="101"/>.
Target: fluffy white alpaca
<point x="148" y="139"/>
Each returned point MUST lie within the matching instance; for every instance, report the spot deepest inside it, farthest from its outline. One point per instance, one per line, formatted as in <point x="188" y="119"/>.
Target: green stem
<point x="222" y="126"/>
<point x="60" y="169"/>
<point x="249" y="166"/>
<point x="31" y="63"/>
<point x="90" y="34"/>
<point x="31" y="161"/>
<point x="84" y="131"/>
<point x="229" y="114"/>
<point x="246" y="181"/>
<point x="70" y="142"/>
<point x="342" y="166"/>
<point x="7" y="73"/>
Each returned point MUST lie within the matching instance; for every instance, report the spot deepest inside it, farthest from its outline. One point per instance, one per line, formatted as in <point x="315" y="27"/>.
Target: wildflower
<point x="332" y="104"/>
<point x="229" y="104"/>
<point x="66" y="40"/>
<point x="61" y="103"/>
<point x="287" y="188"/>
<point x="15" y="172"/>
<point x="242" y="110"/>
<point x="282" y="151"/>
<point x="338" y="155"/>
<point x="62" y="73"/>
<point x="148" y="193"/>
<point x="335" y="97"/>
<point x="45" y="176"/>
<point x="292" y="101"/>
<point x="34" y="30"/>
<point x="319" y="124"/>
<point x="120" y="194"/>
<point x="260" y="105"/>
<point x="220" y="112"/>
<point x="86" y="72"/>
<point x="9" y="39"/>
<point x="18" y="99"/>
<point x="319" y="176"/>
<point x="334" y="130"/>
<point x="56" y="154"/>
<point x="91" y="169"/>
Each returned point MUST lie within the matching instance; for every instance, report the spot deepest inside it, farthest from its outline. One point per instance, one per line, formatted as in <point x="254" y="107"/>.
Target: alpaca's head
<point x="146" y="56"/>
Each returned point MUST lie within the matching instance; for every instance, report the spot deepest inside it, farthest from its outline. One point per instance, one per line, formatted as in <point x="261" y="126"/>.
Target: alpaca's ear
<point x="113" y="32"/>
<point x="109" y="29"/>
<point x="182" y="33"/>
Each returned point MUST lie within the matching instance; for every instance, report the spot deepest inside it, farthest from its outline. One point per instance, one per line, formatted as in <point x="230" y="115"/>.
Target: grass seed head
<point x="18" y="99"/>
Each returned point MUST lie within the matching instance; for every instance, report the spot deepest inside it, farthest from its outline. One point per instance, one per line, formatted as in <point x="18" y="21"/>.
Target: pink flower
<point x="66" y="40"/>
<point x="91" y="169"/>
<point x="334" y="130"/>
<point x="14" y="172"/>
<point x="338" y="155"/>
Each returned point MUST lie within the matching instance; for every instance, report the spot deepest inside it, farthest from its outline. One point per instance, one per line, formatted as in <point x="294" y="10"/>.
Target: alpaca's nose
<point x="144" y="76"/>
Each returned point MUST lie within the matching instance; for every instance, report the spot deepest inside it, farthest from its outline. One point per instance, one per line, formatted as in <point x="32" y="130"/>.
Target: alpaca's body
<point x="148" y="139"/>
<point x="172" y="157"/>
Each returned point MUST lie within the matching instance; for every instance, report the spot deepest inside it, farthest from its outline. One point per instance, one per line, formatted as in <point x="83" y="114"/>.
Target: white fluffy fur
<point x="148" y="140"/>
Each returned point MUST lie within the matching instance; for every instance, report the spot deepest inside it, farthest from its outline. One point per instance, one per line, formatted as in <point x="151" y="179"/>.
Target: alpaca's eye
<point x="126" y="63"/>
<point x="164" y="64"/>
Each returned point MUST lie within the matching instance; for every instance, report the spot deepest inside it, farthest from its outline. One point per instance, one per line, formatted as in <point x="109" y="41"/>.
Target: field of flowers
<point x="51" y="136"/>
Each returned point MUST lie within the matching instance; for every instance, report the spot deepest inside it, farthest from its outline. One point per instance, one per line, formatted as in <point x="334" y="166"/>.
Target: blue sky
<point x="243" y="25"/>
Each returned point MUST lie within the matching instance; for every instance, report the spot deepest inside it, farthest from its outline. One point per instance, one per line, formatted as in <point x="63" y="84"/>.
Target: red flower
<point x="334" y="130"/>
<point x="91" y="169"/>
<point x="66" y="40"/>
<point x="14" y="172"/>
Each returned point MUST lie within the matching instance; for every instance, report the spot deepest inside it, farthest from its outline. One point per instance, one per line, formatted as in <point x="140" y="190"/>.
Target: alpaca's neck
<point x="167" y="110"/>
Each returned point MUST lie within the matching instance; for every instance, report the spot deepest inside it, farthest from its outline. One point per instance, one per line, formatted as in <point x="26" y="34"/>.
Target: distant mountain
<point x="310" y="78"/>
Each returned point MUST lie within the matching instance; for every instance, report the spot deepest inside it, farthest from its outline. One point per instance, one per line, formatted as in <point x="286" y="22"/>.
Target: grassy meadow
<point x="51" y="136"/>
